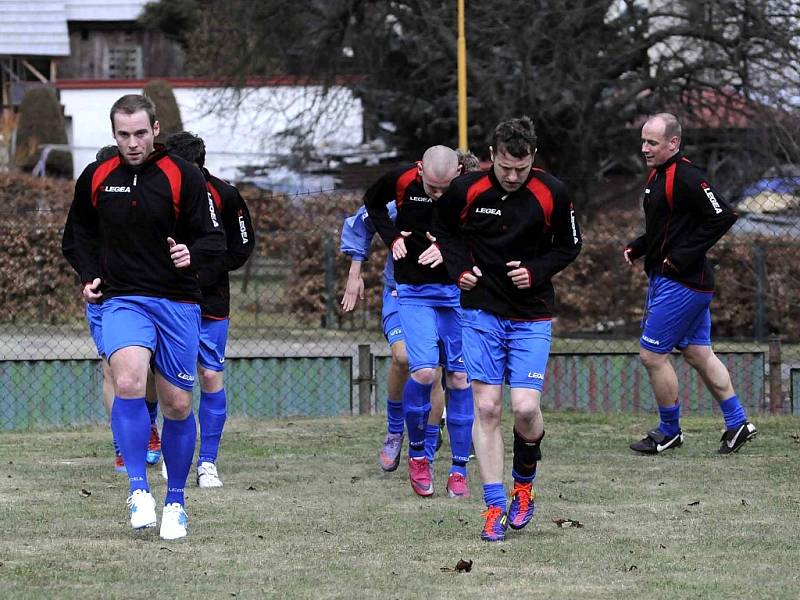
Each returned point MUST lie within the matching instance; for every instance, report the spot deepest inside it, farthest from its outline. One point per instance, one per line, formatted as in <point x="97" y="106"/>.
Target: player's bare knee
<point x="210" y="381"/>
<point x="457" y="381"/>
<point x="652" y="360"/>
<point x="528" y="411"/>
<point x="130" y="385"/>
<point x="425" y="376"/>
<point x="488" y="411"/>
<point x="697" y="356"/>
<point x="399" y="357"/>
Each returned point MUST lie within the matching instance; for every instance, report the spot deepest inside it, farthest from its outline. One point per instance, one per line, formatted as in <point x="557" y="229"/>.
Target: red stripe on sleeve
<point x="215" y="195"/>
<point x="100" y="174"/>
<point x="544" y="196"/>
<point x="402" y="184"/>
<point x="473" y="191"/>
<point x="670" y="183"/>
<point x="173" y="173"/>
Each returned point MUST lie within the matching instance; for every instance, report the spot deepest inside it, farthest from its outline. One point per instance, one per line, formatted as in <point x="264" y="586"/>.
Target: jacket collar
<point x="670" y="161"/>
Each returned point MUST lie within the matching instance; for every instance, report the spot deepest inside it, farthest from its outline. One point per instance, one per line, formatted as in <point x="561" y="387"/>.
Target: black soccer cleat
<point x="655" y="442"/>
<point x="735" y="438"/>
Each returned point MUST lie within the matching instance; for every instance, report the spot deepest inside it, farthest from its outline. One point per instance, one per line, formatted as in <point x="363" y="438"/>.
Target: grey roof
<point x="105" y="10"/>
<point x="33" y="28"/>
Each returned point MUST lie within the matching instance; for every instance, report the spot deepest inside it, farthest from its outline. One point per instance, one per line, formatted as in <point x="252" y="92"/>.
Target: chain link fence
<point x="292" y="351"/>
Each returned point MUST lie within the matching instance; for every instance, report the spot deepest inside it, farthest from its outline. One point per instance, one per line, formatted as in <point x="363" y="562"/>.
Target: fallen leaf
<point x="633" y="568"/>
<point x="326" y="531"/>
<point x="261" y="537"/>
<point x="85" y="493"/>
<point x="251" y="489"/>
<point x="566" y="481"/>
<point x="567" y="522"/>
<point x="695" y="503"/>
<point x="662" y="546"/>
<point x="354" y="478"/>
<point x="165" y="548"/>
<point x="745" y="503"/>
<point x="464" y="565"/>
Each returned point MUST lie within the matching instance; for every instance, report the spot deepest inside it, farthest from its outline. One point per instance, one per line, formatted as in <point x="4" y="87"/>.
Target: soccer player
<point x="215" y="306"/>
<point x="504" y="234"/>
<point x="357" y="234"/>
<point x="429" y="310"/>
<point x="144" y="229"/>
<point x="356" y="239"/>
<point x="684" y="218"/>
<point x="94" y="318"/>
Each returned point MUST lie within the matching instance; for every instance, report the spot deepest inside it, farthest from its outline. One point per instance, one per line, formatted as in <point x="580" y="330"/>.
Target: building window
<point x="124" y="62"/>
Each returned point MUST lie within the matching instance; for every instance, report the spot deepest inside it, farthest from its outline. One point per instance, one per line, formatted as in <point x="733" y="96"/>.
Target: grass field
<point x="306" y="513"/>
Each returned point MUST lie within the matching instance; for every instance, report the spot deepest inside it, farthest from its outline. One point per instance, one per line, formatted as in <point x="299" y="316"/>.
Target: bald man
<point x="684" y="218"/>
<point x="429" y="311"/>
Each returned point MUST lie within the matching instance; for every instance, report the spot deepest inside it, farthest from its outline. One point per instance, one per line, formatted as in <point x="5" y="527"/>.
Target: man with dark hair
<point x="684" y="218"/>
<point x="215" y="306"/>
<point x="504" y="234"/>
<point x="94" y="318"/>
<point x="428" y="309"/>
<point x="140" y="231"/>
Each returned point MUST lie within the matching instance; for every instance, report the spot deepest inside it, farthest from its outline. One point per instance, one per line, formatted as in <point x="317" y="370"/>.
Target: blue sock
<point x="416" y="408"/>
<point x="523" y="478"/>
<point x="117" y="451"/>
<point x="131" y="428"/>
<point x="178" y="439"/>
<point x="431" y="437"/>
<point x="494" y="494"/>
<point x="212" y="414"/>
<point x="459" y="427"/>
<point x="733" y="412"/>
<point x="152" y="409"/>
<point x="670" y="419"/>
<point x="394" y="416"/>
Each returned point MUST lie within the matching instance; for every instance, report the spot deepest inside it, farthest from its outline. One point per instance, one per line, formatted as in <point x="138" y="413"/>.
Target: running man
<point x="684" y="218"/>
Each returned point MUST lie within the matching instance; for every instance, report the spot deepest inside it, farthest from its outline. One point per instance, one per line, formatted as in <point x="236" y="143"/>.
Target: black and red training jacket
<point x="121" y="217"/>
<point x="478" y="223"/>
<point x="684" y="218"/>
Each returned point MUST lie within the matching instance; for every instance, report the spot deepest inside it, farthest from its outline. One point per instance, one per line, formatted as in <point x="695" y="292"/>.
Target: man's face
<point x="510" y="171"/>
<point x="134" y="136"/>
<point x="656" y="148"/>
<point x="435" y="185"/>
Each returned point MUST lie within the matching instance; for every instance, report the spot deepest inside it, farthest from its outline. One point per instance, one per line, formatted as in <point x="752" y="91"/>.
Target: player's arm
<point x="714" y="214"/>
<point x="566" y="242"/>
<point x="200" y="223"/>
<point x="376" y="200"/>
<point x="80" y="243"/>
<point x="447" y="231"/>
<point x="635" y="249"/>
<point x="356" y="238"/>
<point x="240" y="236"/>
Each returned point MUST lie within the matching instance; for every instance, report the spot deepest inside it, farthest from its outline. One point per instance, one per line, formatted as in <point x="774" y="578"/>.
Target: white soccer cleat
<point x="164" y="469"/>
<point x="173" y="522"/>
<point x="143" y="509"/>
<point x="207" y="476"/>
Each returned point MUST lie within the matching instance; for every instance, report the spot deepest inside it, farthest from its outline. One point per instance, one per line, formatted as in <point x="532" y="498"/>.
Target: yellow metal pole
<point x="463" y="143"/>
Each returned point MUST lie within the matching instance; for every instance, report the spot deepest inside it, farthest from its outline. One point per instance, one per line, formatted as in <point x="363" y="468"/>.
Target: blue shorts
<point x="498" y="350"/>
<point x="213" y="338"/>
<point x="675" y="316"/>
<point x="392" y="330"/>
<point x="430" y="332"/>
<point x="169" y="329"/>
<point x="94" y="316"/>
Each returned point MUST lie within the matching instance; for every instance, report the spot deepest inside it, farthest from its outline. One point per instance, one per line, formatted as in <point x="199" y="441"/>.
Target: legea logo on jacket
<point x="711" y="197"/>
<point x="117" y="188"/>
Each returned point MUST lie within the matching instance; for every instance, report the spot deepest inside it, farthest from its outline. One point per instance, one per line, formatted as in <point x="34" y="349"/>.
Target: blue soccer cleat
<point x="153" y="446"/>
<point x="494" y="530"/>
<point x="522" y="505"/>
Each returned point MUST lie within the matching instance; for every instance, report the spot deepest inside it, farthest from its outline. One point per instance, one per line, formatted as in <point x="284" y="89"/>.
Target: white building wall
<point x="248" y="136"/>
